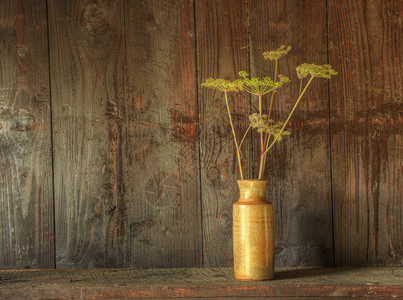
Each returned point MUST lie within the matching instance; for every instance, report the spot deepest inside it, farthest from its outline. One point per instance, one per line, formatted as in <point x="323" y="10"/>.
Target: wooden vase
<point x="253" y="232"/>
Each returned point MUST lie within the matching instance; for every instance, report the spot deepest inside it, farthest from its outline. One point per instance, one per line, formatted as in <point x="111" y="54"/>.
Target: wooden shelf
<point x="301" y="283"/>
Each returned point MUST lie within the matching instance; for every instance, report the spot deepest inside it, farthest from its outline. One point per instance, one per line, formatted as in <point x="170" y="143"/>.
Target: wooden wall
<point x="112" y="155"/>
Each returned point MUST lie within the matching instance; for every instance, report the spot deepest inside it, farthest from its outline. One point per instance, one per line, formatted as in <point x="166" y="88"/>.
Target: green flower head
<point x="262" y="124"/>
<point x="283" y="79"/>
<point x="223" y="85"/>
<point x="260" y="86"/>
<point x="276" y="54"/>
<point x="323" y="71"/>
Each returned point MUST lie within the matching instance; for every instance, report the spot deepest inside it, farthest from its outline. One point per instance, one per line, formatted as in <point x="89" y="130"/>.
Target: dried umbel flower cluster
<point x="324" y="71"/>
<point x="266" y="127"/>
<point x="257" y="86"/>
<point x="263" y="124"/>
<point x="223" y="85"/>
<point x="277" y="54"/>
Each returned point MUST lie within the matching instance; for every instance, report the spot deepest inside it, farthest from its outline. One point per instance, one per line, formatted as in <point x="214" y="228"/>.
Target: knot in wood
<point x="22" y="51"/>
<point x="93" y="19"/>
<point x="213" y="173"/>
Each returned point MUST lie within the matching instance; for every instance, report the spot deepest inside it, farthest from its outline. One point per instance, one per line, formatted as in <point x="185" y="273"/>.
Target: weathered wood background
<point x="111" y="155"/>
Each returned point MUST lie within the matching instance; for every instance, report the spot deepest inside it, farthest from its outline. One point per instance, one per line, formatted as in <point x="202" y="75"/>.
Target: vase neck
<point x="252" y="189"/>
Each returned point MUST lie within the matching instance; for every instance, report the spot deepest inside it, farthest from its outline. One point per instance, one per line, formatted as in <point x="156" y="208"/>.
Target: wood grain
<point x="365" y="46"/>
<point x="87" y="56"/>
<point x="161" y="150"/>
<point x="145" y="168"/>
<point x="222" y="51"/>
<point x="298" y="168"/>
<point x="332" y="283"/>
<point x="26" y="201"/>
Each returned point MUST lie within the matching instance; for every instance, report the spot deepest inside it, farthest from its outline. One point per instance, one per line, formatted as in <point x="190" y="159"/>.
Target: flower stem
<point x="265" y="143"/>
<point x="260" y="113"/>
<point x="244" y="136"/>
<point x="265" y="155"/>
<point x="272" y="94"/>
<point x="268" y="140"/>
<point x="289" y="116"/>
<point x="233" y="133"/>
<point x="300" y="87"/>
<point x="261" y="142"/>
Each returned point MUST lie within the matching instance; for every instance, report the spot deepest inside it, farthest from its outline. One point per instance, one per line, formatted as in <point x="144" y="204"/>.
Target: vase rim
<point x="252" y="183"/>
<point x="252" y="180"/>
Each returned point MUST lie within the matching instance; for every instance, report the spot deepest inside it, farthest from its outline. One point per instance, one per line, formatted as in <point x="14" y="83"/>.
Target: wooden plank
<point x="222" y="51"/>
<point x="365" y="45"/>
<point x="87" y="77"/>
<point x="162" y="156"/>
<point x="298" y="168"/>
<point x="26" y="197"/>
<point x="371" y="283"/>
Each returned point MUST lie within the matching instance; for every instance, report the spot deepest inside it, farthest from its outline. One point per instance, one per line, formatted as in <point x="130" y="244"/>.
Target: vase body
<point x="253" y="233"/>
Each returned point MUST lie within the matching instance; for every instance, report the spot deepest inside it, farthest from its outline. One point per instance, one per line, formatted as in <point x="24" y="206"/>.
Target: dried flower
<point x="259" y="121"/>
<point x="324" y="71"/>
<point x="276" y="54"/>
<point x="283" y="79"/>
<point x="262" y="124"/>
<point x="260" y="86"/>
<point x="223" y="85"/>
<point x="266" y="127"/>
